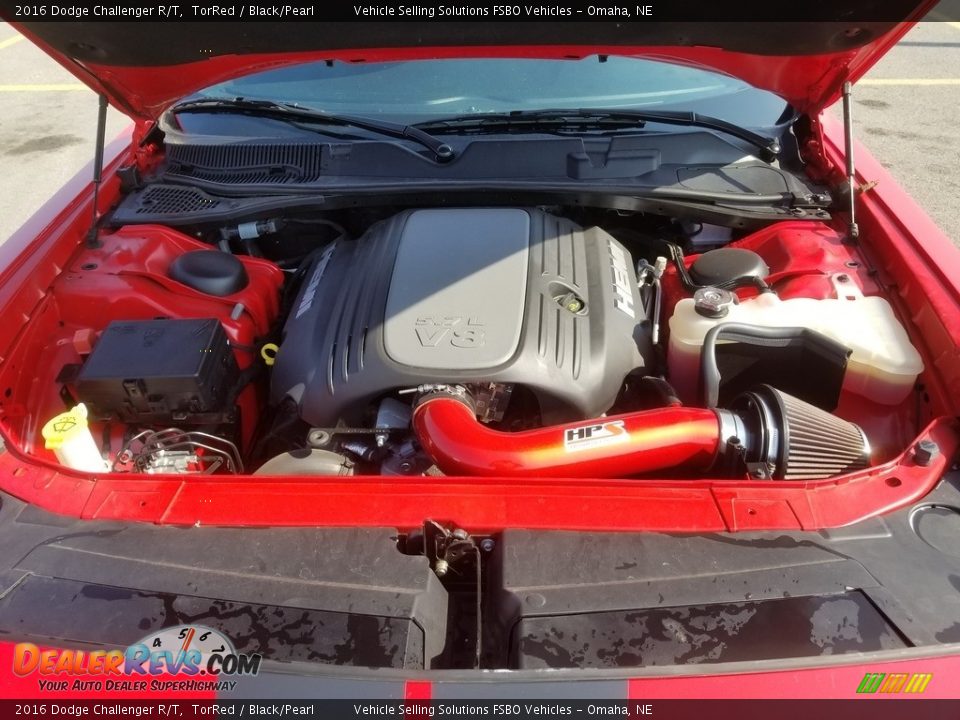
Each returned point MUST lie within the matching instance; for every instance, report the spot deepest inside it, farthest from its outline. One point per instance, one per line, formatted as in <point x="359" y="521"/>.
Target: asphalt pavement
<point x="905" y="112"/>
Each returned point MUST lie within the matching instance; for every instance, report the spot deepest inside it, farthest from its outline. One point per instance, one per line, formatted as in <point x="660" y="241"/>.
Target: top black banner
<point x="426" y="11"/>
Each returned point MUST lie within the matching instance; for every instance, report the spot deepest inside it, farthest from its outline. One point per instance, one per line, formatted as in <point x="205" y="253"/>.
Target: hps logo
<point x="588" y="437"/>
<point x="894" y="683"/>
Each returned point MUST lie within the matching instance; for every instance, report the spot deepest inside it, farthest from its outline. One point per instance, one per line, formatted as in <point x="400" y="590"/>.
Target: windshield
<point x="421" y="90"/>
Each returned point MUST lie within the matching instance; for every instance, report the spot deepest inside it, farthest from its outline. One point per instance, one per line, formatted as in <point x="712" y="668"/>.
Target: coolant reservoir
<point x="884" y="364"/>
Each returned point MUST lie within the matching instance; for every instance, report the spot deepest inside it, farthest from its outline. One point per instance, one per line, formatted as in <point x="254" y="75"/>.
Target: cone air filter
<point x="796" y="440"/>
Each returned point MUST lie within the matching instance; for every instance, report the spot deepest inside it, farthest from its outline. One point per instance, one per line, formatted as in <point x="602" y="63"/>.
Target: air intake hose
<point x="615" y="446"/>
<point x="724" y="442"/>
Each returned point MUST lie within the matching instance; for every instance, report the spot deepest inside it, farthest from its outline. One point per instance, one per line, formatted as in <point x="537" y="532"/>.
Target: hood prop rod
<point x="853" y="230"/>
<point x="92" y="241"/>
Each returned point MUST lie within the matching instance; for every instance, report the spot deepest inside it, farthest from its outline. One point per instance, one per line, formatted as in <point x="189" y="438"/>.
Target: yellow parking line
<point x="10" y="41"/>
<point x="909" y="81"/>
<point x="48" y="87"/>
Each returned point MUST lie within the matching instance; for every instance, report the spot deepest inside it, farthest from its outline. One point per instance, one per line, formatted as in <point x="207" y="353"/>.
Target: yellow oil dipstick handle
<point x="269" y="353"/>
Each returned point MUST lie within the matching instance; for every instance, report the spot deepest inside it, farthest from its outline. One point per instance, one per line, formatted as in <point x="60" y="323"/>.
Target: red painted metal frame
<point x="484" y="504"/>
<point x="35" y="254"/>
<point x="913" y="257"/>
<point x="127" y="277"/>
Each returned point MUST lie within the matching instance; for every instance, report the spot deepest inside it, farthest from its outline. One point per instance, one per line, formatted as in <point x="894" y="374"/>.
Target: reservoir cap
<point x="713" y="302"/>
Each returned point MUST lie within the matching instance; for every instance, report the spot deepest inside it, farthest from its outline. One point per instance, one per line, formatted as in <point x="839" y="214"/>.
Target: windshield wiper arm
<point x="598" y="118"/>
<point x="288" y="112"/>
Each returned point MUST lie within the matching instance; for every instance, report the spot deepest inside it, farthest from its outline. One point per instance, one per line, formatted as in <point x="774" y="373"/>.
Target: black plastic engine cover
<point x="464" y="296"/>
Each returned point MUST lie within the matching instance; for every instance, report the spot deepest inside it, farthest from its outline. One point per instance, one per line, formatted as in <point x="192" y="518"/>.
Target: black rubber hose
<point x="754" y="335"/>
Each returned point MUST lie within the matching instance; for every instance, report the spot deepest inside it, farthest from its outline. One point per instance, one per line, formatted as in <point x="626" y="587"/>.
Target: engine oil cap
<point x="713" y="302"/>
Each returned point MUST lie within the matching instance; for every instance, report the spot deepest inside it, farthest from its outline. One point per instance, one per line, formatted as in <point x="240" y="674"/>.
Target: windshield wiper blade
<point x="288" y="112"/>
<point x="599" y="117"/>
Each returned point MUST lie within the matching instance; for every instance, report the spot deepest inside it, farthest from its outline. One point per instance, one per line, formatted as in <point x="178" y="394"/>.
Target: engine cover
<point x="464" y="296"/>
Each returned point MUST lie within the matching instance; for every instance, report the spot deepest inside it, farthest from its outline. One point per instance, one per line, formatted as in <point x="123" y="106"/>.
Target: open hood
<point x="144" y="67"/>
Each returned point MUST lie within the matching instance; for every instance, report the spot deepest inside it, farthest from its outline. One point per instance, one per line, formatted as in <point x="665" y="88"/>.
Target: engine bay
<point x="546" y="341"/>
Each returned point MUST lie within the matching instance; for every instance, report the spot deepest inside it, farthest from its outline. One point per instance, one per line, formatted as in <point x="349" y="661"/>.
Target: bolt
<point x="318" y="438"/>
<point x="487" y="544"/>
<point x="441" y="567"/>
<point x="925" y="452"/>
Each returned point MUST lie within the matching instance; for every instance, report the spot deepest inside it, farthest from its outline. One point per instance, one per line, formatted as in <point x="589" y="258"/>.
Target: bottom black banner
<point x="855" y="709"/>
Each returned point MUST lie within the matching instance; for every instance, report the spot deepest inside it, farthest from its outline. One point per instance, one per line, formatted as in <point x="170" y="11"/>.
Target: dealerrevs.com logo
<point x="182" y="658"/>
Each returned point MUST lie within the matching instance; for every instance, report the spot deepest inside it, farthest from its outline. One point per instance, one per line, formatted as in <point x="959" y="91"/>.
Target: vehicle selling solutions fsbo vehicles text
<point x="503" y="11"/>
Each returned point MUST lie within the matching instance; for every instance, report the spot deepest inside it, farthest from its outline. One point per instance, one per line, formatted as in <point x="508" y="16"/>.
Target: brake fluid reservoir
<point x="883" y="366"/>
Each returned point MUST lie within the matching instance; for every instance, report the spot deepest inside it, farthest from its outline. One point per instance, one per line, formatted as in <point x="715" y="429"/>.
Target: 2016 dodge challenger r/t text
<point x="441" y="355"/>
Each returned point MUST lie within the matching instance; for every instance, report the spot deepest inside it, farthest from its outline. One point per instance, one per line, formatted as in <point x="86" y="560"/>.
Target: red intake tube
<point x="617" y="446"/>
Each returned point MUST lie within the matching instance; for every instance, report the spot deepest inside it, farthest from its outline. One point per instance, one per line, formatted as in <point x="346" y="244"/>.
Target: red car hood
<point x="144" y="67"/>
